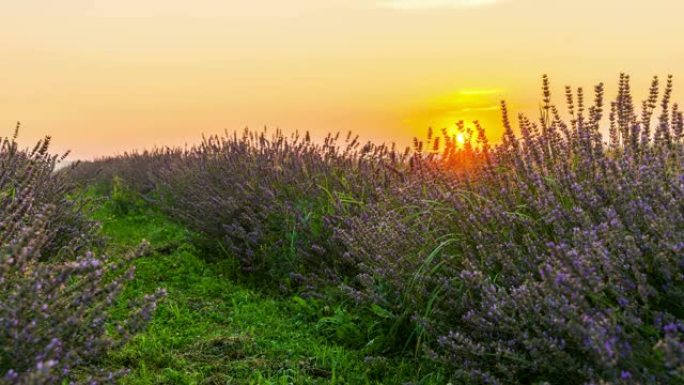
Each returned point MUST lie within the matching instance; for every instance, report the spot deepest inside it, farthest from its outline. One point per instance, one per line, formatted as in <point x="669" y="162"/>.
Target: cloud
<point x="474" y="109"/>
<point x="435" y="4"/>
<point x="480" y="91"/>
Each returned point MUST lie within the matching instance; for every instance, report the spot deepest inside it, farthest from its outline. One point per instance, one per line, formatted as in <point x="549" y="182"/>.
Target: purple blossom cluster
<point x="54" y="295"/>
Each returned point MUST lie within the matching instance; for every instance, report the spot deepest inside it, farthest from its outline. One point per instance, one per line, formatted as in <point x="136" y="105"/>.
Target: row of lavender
<point x="54" y="293"/>
<point x="555" y="256"/>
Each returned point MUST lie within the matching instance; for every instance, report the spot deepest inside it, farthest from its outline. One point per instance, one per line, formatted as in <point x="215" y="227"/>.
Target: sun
<point x="458" y="135"/>
<point x="460" y="138"/>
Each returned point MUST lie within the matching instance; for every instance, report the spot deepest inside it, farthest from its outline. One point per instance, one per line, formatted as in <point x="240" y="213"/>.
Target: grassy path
<point x="211" y="330"/>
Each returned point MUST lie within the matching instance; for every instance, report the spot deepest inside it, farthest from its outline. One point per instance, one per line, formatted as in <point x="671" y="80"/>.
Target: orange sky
<point x="106" y="76"/>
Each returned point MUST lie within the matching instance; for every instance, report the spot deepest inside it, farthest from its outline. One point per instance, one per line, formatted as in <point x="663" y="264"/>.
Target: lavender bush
<point x="69" y="229"/>
<point x="268" y="201"/>
<point x="54" y="296"/>
<point x="559" y="260"/>
<point x="272" y="201"/>
<point x="555" y="256"/>
<point x="134" y="169"/>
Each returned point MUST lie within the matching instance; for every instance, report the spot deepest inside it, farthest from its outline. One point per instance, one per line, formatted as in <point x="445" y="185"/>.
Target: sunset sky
<point x="102" y="76"/>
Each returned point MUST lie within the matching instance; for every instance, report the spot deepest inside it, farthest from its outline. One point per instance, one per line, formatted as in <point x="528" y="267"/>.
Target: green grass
<point x="212" y="330"/>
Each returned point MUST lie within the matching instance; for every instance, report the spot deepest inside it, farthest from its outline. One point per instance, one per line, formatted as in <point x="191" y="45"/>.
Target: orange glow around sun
<point x="456" y="111"/>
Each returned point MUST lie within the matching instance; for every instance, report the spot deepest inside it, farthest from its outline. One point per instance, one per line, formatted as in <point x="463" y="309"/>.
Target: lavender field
<point x="552" y="255"/>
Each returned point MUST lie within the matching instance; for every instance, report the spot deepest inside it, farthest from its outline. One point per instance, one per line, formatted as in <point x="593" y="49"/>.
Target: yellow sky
<point x="104" y="76"/>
